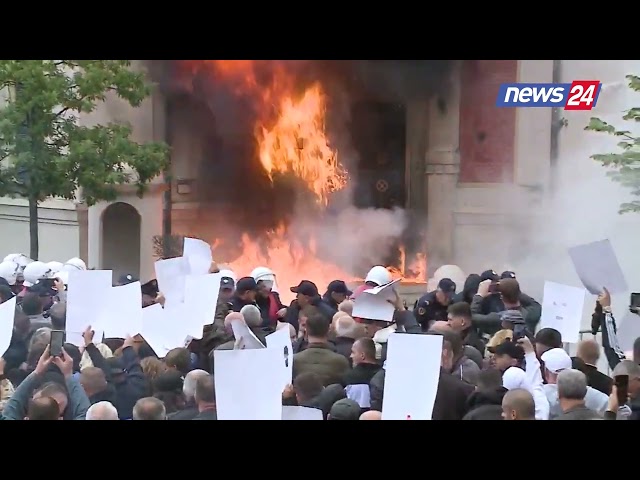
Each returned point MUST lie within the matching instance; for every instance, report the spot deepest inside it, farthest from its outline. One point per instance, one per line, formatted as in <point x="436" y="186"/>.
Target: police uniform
<point x="427" y="310"/>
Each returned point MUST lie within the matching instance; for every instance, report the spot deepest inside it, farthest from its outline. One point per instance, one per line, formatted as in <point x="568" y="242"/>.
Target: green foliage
<point x="45" y="152"/>
<point x="625" y="164"/>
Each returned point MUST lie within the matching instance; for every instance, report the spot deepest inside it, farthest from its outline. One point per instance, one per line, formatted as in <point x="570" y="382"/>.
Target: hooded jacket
<point x="485" y="404"/>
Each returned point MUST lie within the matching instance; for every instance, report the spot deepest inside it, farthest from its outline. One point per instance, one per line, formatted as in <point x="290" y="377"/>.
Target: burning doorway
<point x="295" y="165"/>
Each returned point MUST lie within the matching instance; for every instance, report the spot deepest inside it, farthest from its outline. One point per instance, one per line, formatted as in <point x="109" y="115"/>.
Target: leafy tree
<point x="625" y="164"/>
<point x="45" y="152"/>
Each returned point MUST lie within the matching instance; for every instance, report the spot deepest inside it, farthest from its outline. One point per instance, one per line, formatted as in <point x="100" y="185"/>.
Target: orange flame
<point x="293" y="142"/>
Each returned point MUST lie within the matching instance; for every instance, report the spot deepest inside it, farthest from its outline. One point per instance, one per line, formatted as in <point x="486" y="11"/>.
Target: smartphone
<point x="494" y="287"/>
<point x="622" y="387"/>
<point x="57" y="341"/>
<point x="635" y="300"/>
<point x="519" y="331"/>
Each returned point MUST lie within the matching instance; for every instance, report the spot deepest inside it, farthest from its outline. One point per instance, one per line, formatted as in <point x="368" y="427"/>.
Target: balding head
<point x="347" y="327"/>
<point x="102" y="411"/>
<point x="371" y="415"/>
<point x="251" y="315"/>
<point x="629" y="368"/>
<point x="589" y="352"/>
<point x="346" y="307"/>
<point x="190" y="380"/>
<point x="149" y="408"/>
<point x="93" y="380"/>
<point x="518" y="404"/>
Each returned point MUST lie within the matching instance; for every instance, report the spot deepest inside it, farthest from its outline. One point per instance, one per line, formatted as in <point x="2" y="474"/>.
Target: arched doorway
<point x="121" y="239"/>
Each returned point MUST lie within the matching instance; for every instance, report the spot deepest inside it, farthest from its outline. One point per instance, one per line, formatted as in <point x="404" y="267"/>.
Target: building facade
<point x="487" y="180"/>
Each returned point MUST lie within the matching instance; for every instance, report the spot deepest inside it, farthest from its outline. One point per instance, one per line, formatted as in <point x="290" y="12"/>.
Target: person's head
<point x="371" y="327"/>
<point x="152" y="367"/>
<point x="378" y="275"/>
<point x="338" y="291"/>
<point x="632" y="370"/>
<point x="149" y="408"/>
<point x="168" y="387"/>
<point x="452" y="348"/>
<point x="546" y="339"/>
<point x="251" y="315"/>
<point x="43" y="408"/>
<point x="514" y="378"/>
<point x="58" y="315"/>
<point x="305" y="292"/>
<point x="510" y="293"/>
<point x="307" y="386"/>
<point x="636" y="350"/>
<point x="346" y="307"/>
<point x="227" y="288"/>
<point x="93" y="380"/>
<point x="317" y="327"/>
<point x="246" y="289"/>
<point x="572" y="388"/>
<point x="555" y="361"/>
<point x="371" y="415"/>
<point x="205" y="394"/>
<point x="102" y="411"/>
<point x="363" y="350"/>
<point x="589" y="352"/>
<point x="178" y="359"/>
<point x="459" y="316"/>
<point x="489" y="379"/>
<point x="507" y="354"/>
<point x="21" y="323"/>
<point x="190" y="380"/>
<point x="288" y="326"/>
<point x="55" y="391"/>
<point x="518" y="404"/>
<point x="347" y="327"/>
<point x="41" y="336"/>
<point x="445" y="291"/>
<point x="230" y="318"/>
<point x="304" y="313"/>
<point x="32" y="304"/>
<point x="345" y="409"/>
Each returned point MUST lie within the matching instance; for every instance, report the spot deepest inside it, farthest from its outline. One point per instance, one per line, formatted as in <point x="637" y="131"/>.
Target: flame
<point x="291" y="140"/>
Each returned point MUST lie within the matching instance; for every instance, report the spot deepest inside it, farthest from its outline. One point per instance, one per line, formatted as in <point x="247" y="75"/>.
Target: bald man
<point x="371" y="415"/>
<point x="95" y="385"/>
<point x="586" y="361"/>
<point x="518" y="404"/>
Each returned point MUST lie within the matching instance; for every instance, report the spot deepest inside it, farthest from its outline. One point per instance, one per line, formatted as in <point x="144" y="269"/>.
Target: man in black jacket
<point x="307" y="294"/>
<point x="486" y="402"/>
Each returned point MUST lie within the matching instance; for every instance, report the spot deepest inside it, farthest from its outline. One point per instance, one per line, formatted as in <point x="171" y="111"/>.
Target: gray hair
<point x="627" y="367"/>
<point x="572" y="384"/>
<point x="102" y="411"/>
<point x="251" y="315"/>
<point x="41" y="336"/>
<point x="190" y="380"/>
<point x="345" y="326"/>
<point x="149" y="408"/>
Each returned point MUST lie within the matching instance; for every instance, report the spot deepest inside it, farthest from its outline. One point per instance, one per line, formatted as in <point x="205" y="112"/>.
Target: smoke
<point x="230" y="173"/>
<point x="585" y="202"/>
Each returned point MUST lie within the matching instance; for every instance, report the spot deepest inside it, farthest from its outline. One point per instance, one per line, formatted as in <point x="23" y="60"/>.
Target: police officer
<point x="433" y="306"/>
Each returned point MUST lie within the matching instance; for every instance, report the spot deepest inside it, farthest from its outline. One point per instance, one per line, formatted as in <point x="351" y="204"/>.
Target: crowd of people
<point x="496" y="362"/>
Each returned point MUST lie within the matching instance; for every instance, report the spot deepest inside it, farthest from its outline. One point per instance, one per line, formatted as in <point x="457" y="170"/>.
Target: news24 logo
<point x="579" y="95"/>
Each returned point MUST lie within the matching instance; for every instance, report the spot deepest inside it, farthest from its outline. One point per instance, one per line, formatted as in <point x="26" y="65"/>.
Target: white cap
<point x="556" y="360"/>
<point x="9" y="270"/>
<point x="263" y="273"/>
<point x="513" y="377"/>
<point x="55" y="266"/>
<point x="378" y="275"/>
<point x="74" y="263"/>
<point x="229" y="273"/>
<point x="34" y="272"/>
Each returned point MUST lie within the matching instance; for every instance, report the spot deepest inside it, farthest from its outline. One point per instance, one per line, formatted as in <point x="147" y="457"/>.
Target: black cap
<point x="150" y="288"/>
<point x="126" y="279"/>
<point x="509" y="348"/>
<point x="447" y="286"/>
<point x="43" y="287"/>
<point x="306" y="287"/>
<point x="227" y="283"/>
<point x="246" y="284"/>
<point x="508" y="274"/>
<point x="338" y="286"/>
<point x="489" y="275"/>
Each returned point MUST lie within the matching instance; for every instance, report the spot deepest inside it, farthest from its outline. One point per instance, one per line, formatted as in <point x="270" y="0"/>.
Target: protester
<point x="518" y="404"/>
<point x="572" y="390"/>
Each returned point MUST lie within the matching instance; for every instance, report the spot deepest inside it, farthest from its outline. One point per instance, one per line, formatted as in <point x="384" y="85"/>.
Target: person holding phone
<point x="624" y="401"/>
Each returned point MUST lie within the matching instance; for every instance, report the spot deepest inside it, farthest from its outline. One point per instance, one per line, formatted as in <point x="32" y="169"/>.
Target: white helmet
<point x="378" y="275"/>
<point x="74" y="263"/>
<point x="63" y="275"/>
<point x="263" y="273"/>
<point x="9" y="270"/>
<point x="55" y="266"/>
<point x="20" y="258"/>
<point x="34" y="272"/>
<point x="229" y="273"/>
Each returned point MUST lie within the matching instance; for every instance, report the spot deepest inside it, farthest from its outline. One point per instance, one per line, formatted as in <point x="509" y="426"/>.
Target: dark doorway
<point x="378" y="132"/>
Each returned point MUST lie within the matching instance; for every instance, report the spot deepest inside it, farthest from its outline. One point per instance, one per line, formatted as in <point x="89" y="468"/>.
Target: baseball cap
<point x="338" y="286"/>
<point x="508" y="274"/>
<point x="246" y="284"/>
<point x="489" y="275"/>
<point x="227" y="283"/>
<point x="509" y="348"/>
<point x="447" y="285"/>
<point x="306" y="287"/>
<point x="126" y="279"/>
<point x="345" y="409"/>
<point x="514" y="377"/>
<point x="556" y="360"/>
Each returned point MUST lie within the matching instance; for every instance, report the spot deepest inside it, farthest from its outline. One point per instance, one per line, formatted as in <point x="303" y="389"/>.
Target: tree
<point x="45" y="152"/>
<point x="625" y="164"/>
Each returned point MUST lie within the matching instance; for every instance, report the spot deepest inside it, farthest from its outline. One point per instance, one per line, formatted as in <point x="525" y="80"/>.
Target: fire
<point x="290" y="140"/>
